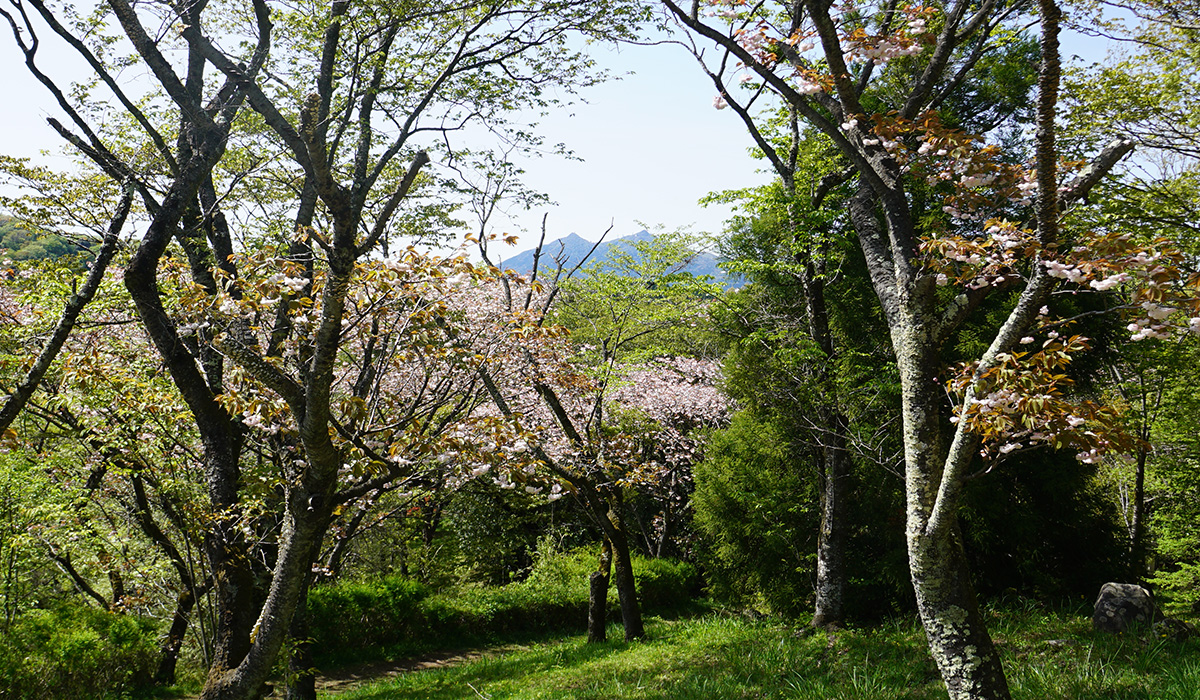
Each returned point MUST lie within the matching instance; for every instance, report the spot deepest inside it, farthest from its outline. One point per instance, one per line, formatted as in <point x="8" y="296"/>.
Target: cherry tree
<point x="354" y="90"/>
<point x="670" y="402"/>
<point x="561" y="398"/>
<point x="998" y="229"/>
<point x="16" y="398"/>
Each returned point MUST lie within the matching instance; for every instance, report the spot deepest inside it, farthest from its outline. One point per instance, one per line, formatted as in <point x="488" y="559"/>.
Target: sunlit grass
<point x="1047" y="655"/>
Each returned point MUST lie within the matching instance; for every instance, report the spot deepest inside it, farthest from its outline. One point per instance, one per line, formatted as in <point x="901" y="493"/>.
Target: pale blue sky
<point x="652" y="144"/>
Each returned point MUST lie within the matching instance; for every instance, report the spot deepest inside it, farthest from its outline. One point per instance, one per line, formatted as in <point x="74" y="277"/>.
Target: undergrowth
<point x="392" y="616"/>
<point x="73" y="651"/>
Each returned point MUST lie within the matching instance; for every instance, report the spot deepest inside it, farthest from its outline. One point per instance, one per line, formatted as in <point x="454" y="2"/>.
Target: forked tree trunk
<point x="598" y="596"/>
<point x="958" y="637"/>
<point x="236" y="599"/>
<point x="302" y="531"/>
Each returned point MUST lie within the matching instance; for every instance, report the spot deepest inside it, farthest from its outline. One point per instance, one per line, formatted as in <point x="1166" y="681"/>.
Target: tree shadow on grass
<point x="449" y="679"/>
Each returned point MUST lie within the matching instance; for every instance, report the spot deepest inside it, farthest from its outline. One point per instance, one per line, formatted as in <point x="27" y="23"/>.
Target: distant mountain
<point x="569" y="249"/>
<point x="573" y="248"/>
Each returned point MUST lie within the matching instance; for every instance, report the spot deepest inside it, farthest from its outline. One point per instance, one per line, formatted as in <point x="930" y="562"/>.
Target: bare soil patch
<point x="349" y="677"/>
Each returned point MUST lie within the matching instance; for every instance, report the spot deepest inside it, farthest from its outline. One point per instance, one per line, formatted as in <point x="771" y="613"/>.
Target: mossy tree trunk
<point x="598" y="595"/>
<point x="631" y="610"/>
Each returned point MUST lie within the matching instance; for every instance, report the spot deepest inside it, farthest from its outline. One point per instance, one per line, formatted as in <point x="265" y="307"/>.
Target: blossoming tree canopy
<point x="986" y="241"/>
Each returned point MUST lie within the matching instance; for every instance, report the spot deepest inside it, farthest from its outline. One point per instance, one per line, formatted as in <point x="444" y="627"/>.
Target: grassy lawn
<point x="1047" y="655"/>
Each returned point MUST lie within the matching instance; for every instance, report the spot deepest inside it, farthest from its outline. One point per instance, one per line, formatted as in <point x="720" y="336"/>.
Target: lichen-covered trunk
<point x="831" y="547"/>
<point x="958" y="638"/>
<point x="949" y="609"/>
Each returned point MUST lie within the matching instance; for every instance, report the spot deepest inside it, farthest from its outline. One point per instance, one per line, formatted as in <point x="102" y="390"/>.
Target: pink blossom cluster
<point x="725" y="9"/>
<point x="1019" y="403"/>
<point x="759" y="35"/>
<point x="978" y="262"/>
<point x="679" y="396"/>
<point x="879" y="49"/>
<point x="1156" y="295"/>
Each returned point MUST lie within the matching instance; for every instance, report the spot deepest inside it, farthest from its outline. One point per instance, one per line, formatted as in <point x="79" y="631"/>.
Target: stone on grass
<point x="1121" y="606"/>
<point x="1175" y="630"/>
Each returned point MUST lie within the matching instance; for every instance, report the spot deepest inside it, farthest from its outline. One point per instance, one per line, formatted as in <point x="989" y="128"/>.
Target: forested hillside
<point x="267" y="408"/>
<point x="19" y="244"/>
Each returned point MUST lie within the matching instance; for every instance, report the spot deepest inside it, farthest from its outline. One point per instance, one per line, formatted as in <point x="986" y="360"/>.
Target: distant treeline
<point x="19" y="243"/>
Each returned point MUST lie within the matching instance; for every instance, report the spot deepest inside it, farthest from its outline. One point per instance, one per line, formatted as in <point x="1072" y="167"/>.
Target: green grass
<point x="1046" y="654"/>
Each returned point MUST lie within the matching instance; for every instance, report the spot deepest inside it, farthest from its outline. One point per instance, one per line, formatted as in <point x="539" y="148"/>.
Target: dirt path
<point x="350" y="677"/>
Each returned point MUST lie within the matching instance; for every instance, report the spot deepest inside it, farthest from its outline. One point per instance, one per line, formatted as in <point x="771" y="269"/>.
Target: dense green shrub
<point x="1174" y="520"/>
<point x="757" y="511"/>
<point x="353" y="614"/>
<point x="76" y="652"/>
<point x="355" y="620"/>
<point x="666" y="584"/>
<point x="1038" y="526"/>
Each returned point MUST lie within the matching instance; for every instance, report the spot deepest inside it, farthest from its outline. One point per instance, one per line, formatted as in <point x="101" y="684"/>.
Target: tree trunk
<point x="831" y="543"/>
<point x="664" y="546"/>
<point x="247" y="675"/>
<point x="169" y="651"/>
<point x="235" y="600"/>
<point x="302" y="674"/>
<point x="1137" y="547"/>
<point x="631" y="612"/>
<point x="598" y="596"/>
<point x="958" y="637"/>
<point x="946" y="600"/>
<point x="831" y="547"/>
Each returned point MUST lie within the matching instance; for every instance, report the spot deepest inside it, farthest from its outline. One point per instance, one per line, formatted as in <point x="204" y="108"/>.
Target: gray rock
<point x="1121" y="606"/>
<point x="1175" y="630"/>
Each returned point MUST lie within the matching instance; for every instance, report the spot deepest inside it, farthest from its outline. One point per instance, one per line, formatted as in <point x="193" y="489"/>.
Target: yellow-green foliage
<point x="76" y="652"/>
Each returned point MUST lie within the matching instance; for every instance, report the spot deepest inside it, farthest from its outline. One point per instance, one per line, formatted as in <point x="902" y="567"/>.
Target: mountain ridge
<point x="572" y="248"/>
